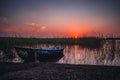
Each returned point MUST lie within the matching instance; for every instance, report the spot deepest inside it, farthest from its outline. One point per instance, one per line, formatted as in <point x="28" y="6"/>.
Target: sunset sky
<point x="59" y="18"/>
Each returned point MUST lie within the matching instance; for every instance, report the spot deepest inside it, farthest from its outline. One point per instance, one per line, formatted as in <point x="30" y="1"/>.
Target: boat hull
<point x="45" y="55"/>
<point x="48" y="54"/>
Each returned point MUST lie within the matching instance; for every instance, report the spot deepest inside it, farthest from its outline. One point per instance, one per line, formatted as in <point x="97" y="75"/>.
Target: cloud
<point x="3" y="19"/>
<point x="31" y="24"/>
<point x="41" y="28"/>
<point x="4" y="22"/>
<point x="34" y="27"/>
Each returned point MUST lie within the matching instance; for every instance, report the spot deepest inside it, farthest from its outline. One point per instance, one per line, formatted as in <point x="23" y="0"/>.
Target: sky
<point x="59" y="18"/>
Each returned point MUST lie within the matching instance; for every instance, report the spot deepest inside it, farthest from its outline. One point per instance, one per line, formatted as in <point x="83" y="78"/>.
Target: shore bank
<point x="55" y="71"/>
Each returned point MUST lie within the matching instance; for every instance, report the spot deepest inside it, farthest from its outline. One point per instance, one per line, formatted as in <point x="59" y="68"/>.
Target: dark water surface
<point x="108" y="54"/>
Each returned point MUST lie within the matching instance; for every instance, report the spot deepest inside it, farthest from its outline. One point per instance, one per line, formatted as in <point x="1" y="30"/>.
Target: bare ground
<point x="54" y="71"/>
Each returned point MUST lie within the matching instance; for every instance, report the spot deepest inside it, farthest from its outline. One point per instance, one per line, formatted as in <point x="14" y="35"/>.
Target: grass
<point x="9" y="42"/>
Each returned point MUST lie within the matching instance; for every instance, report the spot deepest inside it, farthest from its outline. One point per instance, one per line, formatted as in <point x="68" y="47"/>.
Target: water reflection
<point x="108" y="54"/>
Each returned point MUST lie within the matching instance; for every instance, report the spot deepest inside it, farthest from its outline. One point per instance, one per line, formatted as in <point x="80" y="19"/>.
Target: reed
<point x="9" y="42"/>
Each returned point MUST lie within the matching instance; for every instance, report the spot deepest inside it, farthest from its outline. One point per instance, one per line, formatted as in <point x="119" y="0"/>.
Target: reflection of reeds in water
<point x="109" y="54"/>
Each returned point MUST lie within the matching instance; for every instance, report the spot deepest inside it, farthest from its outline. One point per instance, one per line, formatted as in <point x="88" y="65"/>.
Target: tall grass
<point x="9" y="42"/>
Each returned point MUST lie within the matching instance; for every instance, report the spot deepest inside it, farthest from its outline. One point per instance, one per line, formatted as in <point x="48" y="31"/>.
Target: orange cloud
<point x="31" y="24"/>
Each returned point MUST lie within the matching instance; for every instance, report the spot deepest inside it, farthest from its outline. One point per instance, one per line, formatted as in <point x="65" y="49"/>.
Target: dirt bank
<point x="54" y="71"/>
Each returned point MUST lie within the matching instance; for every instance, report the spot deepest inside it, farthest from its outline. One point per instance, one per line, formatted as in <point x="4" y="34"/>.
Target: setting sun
<point x="75" y="35"/>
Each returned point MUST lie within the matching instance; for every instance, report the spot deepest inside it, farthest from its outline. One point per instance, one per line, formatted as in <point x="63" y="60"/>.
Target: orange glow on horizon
<point x="76" y="35"/>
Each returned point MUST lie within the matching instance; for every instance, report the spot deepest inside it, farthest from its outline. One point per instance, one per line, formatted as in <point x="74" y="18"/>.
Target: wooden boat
<point x="41" y="54"/>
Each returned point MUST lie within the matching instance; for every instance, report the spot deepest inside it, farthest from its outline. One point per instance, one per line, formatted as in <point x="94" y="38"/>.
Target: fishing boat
<point x="41" y="54"/>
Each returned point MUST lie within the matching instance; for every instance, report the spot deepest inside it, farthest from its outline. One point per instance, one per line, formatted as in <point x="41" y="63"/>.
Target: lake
<point x="107" y="54"/>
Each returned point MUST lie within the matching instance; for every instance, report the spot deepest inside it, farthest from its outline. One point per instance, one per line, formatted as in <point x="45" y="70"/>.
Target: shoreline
<point x="56" y="71"/>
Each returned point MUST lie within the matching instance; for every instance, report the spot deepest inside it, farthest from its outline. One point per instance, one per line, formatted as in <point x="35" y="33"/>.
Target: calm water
<point x="108" y="54"/>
